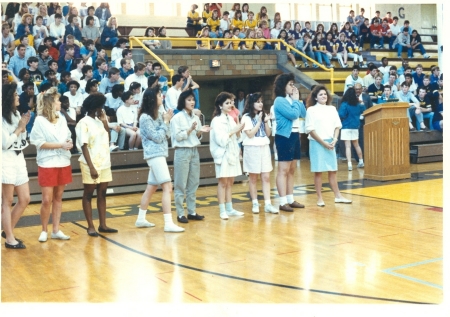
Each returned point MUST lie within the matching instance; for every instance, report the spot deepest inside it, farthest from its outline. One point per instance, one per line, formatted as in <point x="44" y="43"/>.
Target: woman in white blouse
<point x="323" y="124"/>
<point x="14" y="168"/>
<point x="225" y="151"/>
<point x="57" y="30"/>
<point x="52" y="138"/>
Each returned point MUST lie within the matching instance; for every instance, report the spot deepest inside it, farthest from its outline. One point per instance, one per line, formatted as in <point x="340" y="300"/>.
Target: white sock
<point x="349" y="163"/>
<point x="361" y="161"/>
<point x="222" y="208"/>
<point x="168" y="219"/>
<point x="283" y="201"/>
<point x="290" y="198"/>
<point x="267" y="202"/>
<point x="142" y="213"/>
<point x="255" y="201"/>
<point x="229" y="206"/>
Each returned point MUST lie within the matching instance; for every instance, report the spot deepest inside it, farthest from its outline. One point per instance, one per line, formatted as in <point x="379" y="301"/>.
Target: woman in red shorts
<point x="53" y="142"/>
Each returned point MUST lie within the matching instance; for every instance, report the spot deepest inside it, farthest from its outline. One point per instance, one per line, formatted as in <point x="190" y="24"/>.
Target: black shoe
<point x="195" y="217"/>
<point x="412" y="130"/>
<point x="182" y="219"/>
<point x="4" y="236"/>
<point x="425" y="129"/>
<point x="92" y="234"/>
<point x="19" y="245"/>
<point x="109" y="230"/>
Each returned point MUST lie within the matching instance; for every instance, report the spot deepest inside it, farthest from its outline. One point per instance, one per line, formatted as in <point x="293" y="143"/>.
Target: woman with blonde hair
<point x="52" y="138"/>
<point x="110" y="33"/>
<point x="18" y="17"/>
<point x="44" y="14"/>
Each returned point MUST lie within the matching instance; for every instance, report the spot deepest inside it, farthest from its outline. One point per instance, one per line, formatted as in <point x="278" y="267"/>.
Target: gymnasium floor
<point x="385" y="248"/>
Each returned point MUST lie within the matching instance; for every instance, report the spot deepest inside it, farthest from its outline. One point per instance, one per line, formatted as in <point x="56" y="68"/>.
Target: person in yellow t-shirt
<point x="193" y="19"/>
<point x="206" y="14"/>
<point x="214" y="24"/>
<point x="250" y="23"/>
<point x="249" y="42"/>
<point x="260" y="40"/>
<point x="225" y="45"/>
<point x="203" y="44"/>
<point x="237" y="22"/>
<point x="236" y="44"/>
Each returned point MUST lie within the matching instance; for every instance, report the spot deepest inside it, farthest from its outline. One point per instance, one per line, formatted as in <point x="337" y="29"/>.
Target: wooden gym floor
<point x="385" y="248"/>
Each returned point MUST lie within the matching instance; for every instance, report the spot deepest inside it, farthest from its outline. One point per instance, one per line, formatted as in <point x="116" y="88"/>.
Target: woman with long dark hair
<point x="257" y="159"/>
<point x="52" y="138"/>
<point x="155" y="130"/>
<point x="14" y="168"/>
<point x="288" y="109"/>
<point x="323" y="124"/>
<point x="225" y="151"/>
<point x="349" y="112"/>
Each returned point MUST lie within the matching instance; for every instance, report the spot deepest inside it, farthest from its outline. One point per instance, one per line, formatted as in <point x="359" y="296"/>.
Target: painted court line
<point x="392" y="270"/>
<point x="243" y="279"/>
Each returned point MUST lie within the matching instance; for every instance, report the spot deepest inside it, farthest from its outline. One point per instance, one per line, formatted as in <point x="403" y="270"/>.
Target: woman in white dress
<point x="225" y="151"/>
<point x="52" y="138"/>
<point x="322" y="123"/>
<point x="14" y="168"/>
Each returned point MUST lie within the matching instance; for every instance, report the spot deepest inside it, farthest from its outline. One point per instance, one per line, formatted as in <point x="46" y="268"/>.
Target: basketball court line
<point x="250" y="280"/>
<point x="392" y="270"/>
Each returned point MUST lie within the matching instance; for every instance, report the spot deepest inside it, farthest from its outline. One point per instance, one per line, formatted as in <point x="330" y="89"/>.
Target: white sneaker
<point x="223" y="215"/>
<point x="276" y="156"/>
<point x="361" y="164"/>
<point x="426" y="56"/>
<point x="135" y="149"/>
<point x="271" y="209"/>
<point x="255" y="208"/>
<point x="360" y="48"/>
<point x="43" y="237"/>
<point x="234" y="213"/>
<point x="113" y="148"/>
<point x="350" y="168"/>
<point x="171" y="227"/>
<point x="342" y="200"/>
<point x="143" y="224"/>
<point x="60" y="235"/>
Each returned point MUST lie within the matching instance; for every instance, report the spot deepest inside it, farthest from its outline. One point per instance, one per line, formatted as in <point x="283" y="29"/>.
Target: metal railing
<point x="139" y="40"/>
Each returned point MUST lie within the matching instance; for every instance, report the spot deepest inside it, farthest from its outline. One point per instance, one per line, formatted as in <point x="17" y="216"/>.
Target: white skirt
<point x="257" y="159"/>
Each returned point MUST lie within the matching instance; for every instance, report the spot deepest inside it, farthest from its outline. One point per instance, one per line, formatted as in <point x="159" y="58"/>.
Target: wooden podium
<point x="386" y="142"/>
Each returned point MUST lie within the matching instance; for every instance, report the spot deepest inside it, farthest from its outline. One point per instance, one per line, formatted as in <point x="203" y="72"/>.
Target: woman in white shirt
<point x="95" y="162"/>
<point x="275" y="31"/>
<point x="58" y="9"/>
<point x="91" y="11"/>
<point x="127" y="119"/>
<point x="323" y="124"/>
<point x="225" y="151"/>
<point x="52" y="138"/>
<point x="256" y="142"/>
<point x="18" y="17"/>
<point x="44" y="14"/>
<point x="57" y="30"/>
<point x="40" y="32"/>
<point x="14" y="168"/>
<point x="116" y="52"/>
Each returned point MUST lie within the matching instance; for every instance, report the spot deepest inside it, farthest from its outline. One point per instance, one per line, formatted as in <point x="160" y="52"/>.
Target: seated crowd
<point x="424" y="92"/>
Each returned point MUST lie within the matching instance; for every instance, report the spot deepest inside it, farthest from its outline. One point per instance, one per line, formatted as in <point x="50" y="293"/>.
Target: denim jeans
<point x="322" y="57"/>
<point x="186" y="173"/>
<point x="31" y="122"/>
<point x="412" y="112"/>
<point x="118" y="137"/>
<point x="310" y="54"/>
<point x="374" y="40"/>
<point x="390" y="40"/>
<point x="111" y="42"/>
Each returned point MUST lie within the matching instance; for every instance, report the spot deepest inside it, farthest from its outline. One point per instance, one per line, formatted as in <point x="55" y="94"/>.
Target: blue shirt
<point x="16" y="64"/>
<point x="286" y="111"/>
<point x="349" y="115"/>
<point x="125" y="74"/>
<point x="96" y="75"/>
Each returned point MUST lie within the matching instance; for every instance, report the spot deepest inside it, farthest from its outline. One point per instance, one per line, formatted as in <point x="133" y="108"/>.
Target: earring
<point x="220" y="108"/>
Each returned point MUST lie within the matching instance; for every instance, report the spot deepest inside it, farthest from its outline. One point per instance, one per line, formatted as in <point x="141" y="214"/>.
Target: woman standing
<point x="225" y="151"/>
<point x="95" y="162"/>
<point x="186" y="132"/>
<point x="288" y="109"/>
<point x="53" y="142"/>
<point x="257" y="159"/>
<point x="323" y="124"/>
<point x="349" y="112"/>
<point x="155" y="130"/>
<point x="14" y="168"/>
